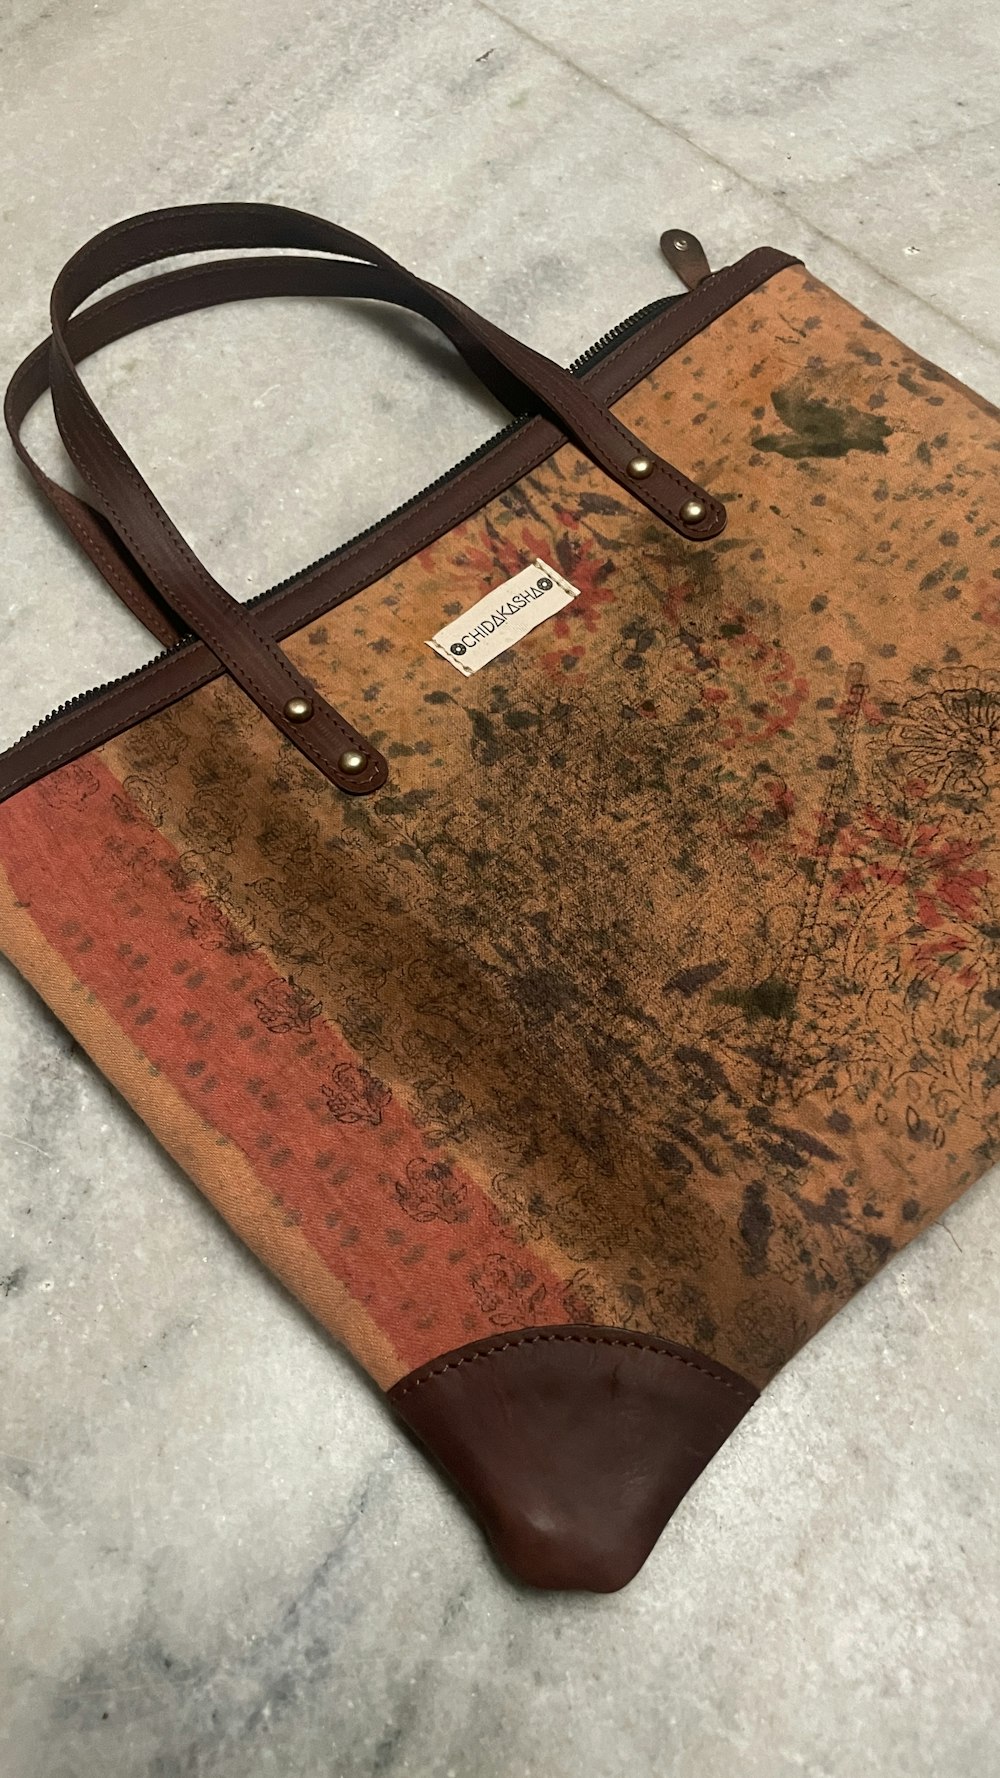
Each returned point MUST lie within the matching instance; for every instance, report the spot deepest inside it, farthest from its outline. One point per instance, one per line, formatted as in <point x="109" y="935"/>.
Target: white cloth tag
<point x="503" y="617"/>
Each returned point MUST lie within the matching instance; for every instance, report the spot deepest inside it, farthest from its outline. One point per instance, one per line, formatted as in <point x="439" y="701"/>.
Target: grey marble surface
<point x="216" y="1556"/>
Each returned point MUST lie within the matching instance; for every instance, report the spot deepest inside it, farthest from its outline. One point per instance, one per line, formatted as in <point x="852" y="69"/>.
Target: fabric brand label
<point x="503" y="617"/>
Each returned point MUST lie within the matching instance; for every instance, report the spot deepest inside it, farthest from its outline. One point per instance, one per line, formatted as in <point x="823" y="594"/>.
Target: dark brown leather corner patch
<point x="574" y="1445"/>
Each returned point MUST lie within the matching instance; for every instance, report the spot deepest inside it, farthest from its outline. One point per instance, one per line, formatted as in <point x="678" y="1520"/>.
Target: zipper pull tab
<point x="685" y="255"/>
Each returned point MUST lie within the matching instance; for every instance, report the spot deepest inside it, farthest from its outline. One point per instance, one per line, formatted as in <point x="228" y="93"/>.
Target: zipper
<point x="599" y="349"/>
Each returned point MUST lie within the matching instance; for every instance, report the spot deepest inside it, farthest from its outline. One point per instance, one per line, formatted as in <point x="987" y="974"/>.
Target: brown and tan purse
<point x="560" y="929"/>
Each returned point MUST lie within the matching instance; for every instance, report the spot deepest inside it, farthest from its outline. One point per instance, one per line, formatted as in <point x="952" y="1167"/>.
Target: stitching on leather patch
<point x="742" y="1389"/>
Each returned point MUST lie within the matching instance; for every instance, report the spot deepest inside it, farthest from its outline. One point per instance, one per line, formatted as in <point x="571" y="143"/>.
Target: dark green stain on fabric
<point x="772" y="999"/>
<point x="817" y="429"/>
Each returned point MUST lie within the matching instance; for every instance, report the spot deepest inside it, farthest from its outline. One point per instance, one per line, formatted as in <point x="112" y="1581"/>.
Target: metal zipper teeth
<point x="597" y="350"/>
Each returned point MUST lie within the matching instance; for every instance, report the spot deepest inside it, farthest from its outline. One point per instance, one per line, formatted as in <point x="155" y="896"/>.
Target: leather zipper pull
<point x="685" y="255"/>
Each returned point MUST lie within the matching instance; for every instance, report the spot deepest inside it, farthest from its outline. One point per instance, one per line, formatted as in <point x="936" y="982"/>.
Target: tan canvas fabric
<point x="660" y="987"/>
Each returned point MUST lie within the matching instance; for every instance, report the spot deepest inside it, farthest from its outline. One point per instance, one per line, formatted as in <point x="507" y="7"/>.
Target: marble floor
<point x="217" y="1558"/>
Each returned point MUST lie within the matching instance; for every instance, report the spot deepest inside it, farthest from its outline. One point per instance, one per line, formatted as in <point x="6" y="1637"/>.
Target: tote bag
<point x="560" y="929"/>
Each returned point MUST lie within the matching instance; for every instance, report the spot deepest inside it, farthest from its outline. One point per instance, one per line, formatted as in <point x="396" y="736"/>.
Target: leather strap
<point x="685" y="255"/>
<point x="179" y="293"/>
<point x="206" y="227"/>
<point x="176" y="579"/>
<point x="313" y="593"/>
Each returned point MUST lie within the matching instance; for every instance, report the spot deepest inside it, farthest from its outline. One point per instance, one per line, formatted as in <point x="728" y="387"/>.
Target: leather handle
<point x="207" y="227"/>
<point x="265" y="673"/>
<point x="181" y="292"/>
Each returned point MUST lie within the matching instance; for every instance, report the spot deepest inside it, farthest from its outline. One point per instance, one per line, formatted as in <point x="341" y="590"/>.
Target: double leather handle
<point x="181" y="292"/>
<point x="172" y="583"/>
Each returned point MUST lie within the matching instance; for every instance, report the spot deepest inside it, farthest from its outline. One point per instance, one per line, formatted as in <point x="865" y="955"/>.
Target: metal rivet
<point x="693" y="510"/>
<point x="351" y="761"/>
<point x="680" y="243"/>
<point x="298" y="710"/>
<point x="639" y="468"/>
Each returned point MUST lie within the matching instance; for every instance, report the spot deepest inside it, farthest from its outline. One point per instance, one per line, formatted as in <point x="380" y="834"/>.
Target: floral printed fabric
<point x="660" y="986"/>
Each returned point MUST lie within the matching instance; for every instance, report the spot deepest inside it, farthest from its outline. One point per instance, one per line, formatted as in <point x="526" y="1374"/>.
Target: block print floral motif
<point x="502" y="1288"/>
<point x="430" y="1192"/>
<point x="353" y="1096"/>
<point x="214" y="922"/>
<point x="208" y="823"/>
<point x="286" y="1006"/>
<point x="943" y="745"/>
<point x="155" y="747"/>
<point x="138" y="803"/>
<point x="447" y="1113"/>
<point x="906" y="1014"/>
<point x="70" y="787"/>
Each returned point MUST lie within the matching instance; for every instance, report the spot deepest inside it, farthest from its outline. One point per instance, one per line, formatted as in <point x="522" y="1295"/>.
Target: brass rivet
<point x="351" y="761"/>
<point x="298" y="710"/>
<point x="692" y="511"/>
<point x="639" y="468"/>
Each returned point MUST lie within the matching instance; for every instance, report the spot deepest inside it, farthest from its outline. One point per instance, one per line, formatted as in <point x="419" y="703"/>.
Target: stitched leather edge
<point x="174" y="676"/>
<point x="612" y="1336"/>
<point x="572" y="1450"/>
